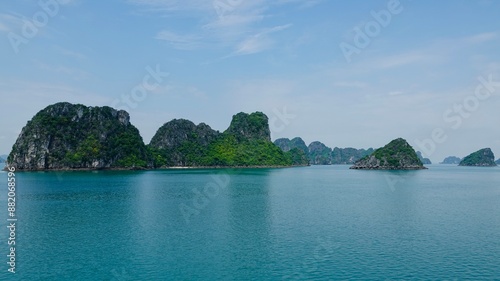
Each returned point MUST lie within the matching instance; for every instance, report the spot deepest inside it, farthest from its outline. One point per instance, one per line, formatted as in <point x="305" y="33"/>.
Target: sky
<point x="346" y="73"/>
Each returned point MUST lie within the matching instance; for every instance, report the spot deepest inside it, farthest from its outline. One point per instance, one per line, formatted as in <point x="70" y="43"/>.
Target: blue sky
<point x="411" y="70"/>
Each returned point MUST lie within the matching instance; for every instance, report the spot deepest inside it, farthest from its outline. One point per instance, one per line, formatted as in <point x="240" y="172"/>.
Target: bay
<point x="309" y="223"/>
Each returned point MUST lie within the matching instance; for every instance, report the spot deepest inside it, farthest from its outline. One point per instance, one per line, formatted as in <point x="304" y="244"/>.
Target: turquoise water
<point x="310" y="223"/>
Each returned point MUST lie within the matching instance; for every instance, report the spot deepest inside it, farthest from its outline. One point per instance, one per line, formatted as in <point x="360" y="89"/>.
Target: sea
<point x="303" y="223"/>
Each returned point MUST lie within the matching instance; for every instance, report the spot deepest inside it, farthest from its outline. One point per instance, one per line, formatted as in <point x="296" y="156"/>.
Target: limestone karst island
<point x="68" y="136"/>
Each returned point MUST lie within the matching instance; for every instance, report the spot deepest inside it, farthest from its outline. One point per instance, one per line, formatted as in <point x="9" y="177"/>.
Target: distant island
<point x="451" y="160"/>
<point x="481" y="158"/>
<point x="319" y="154"/>
<point x="425" y="161"/>
<point x="68" y="136"/>
<point x="396" y="155"/>
<point x="498" y="162"/>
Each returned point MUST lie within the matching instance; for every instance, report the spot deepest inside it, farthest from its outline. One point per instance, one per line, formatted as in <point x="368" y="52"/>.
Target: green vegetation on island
<point x="73" y="136"/>
<point x="246" y="143"/>
<point x="397" y="155"/>
<point x="319" y="154"/>
<point x="481" y="158"/>
<point x="68" y="136"/>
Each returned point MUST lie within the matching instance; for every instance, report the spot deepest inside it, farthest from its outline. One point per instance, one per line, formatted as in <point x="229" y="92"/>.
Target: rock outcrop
<point x="253" y="126"/>
<point x="397" y="155"/>
<point x="481" y="158"/>
<point x="296" y="148"/>
<point x="349" y="155"/>
<point x="287" y="144"/>
<point x="451" y="160"/>
<point x="245" y="143"/>
<point x="319" y="154"/>
<point x="68" y="136"/>
<point x="181" y="140"/>
<point x="425" y="161"/>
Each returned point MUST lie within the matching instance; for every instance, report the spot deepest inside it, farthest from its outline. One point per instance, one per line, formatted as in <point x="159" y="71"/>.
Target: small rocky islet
<point x="396" y="155"/>
<point x="481" y="158"/>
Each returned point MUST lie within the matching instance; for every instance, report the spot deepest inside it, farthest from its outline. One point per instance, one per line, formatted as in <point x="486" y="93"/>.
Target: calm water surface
<point x="311" y="223"/>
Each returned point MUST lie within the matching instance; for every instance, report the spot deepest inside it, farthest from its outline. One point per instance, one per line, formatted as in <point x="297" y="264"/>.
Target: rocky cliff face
<point x="349" y="155"/>
<point x="451" y="160"/>
<point x="480" y="158"/>
<point x="296" y="148"/>
<point x="68" y="136"/>
<point x="397" y="155"/>
<point x="287" y="144"/>
<point x="253" y="126"/>
<point x="319" y="154"/>
<point x="425" y="161"/>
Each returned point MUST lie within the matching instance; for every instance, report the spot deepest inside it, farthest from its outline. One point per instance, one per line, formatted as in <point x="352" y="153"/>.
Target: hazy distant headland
<point x="66" y="136"/>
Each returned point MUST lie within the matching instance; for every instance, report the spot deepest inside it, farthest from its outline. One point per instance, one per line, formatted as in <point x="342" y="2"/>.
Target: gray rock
<point x="452" y="160"/>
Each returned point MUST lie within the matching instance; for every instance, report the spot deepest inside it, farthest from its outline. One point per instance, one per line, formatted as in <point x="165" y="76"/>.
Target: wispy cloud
<point x="178" y="41"/>
<point x="172" y="5"/>
<point x="258" y="42"/>
<point x="9" y="22"/>
<point x="480" y="38"/>
<point x="74" y="73"/>
<point x="245" y="26"/>
<point x="70" y="53"/>
<point x="350" y="84"/>
<point x="403" y="59"/>
<point x="4" y="28"/>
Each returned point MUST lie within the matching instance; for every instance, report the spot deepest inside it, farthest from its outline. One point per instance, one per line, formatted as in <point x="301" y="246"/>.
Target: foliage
<point x="483" y="157"/>
<point x="319" y="154"/>
<point x="396" y="150"/>
<point x="298" y="156"/>
<point x="245" y="143"/>
<point x="76" y="136"/>
<point x="226" y="150"/>
<point x="250" y="127"/>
